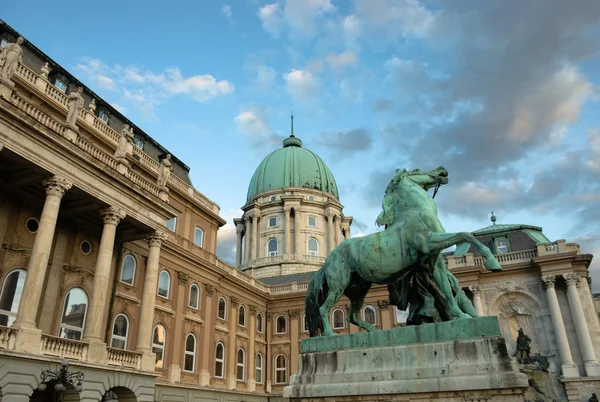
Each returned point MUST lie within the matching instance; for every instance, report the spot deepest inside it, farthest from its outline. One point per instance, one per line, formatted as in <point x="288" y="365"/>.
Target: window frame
<point x="168" y="285"/>
<point x="198" y="228"/>
<point x="273" y="198"/>
<point x="119" y="337"/>
<point x="277" y="324"/>
<point x="186" y="352"/>
<point x="222" y="360"/>
<point x="62" y="88"/>
<point x="242" y="365"/>
<point x="224" y="318"/>
<point x="62" y="326"/>
<point x="269" y="222"/>
<point x="260" y="328"/>
<point x="364" y="318"/>
<point x="308" y="221"/>
<point x="273" y="253"/>
<point x="240" y="309"/>
<point x="197" y="296"/>
<point x="311" y="198"/>
<point x="134" y="270"/>
<point x="32" y="219"/>
<point x="103" y="113"/>
<point x="258" y="369"/>
<point x="304" y="324"/>
<point x="309" y="251"/>
<point x="277" y="369"/>
<point x="161" y="347"/>
<point x="10" y="313"/>
<point x="137" y="140"/>
<point x="497" y="249"/>
<point x="174" y="219"/>
<point x="343" y="318"/>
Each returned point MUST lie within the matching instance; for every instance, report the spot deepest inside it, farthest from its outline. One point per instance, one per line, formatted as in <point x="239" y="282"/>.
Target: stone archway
<point x="518" y="310"/>
<point x="119" y="394"/>
<point x="49" y="395"/>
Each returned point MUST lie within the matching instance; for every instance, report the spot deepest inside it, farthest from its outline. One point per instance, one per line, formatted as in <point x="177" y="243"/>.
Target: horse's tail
<point x="315" y="296"/>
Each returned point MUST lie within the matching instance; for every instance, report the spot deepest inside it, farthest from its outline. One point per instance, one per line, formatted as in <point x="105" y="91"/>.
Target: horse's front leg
<point x="440" y="241"/>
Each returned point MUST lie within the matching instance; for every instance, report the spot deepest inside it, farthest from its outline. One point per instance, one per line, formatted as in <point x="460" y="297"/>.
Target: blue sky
<point x="504" y="94"/>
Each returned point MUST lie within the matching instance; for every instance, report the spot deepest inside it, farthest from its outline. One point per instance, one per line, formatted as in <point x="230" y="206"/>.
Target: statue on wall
<point x="125" y="139"/>
<point x="10" y="57"/>
<point x="406" y="256"/>
<point x="523" y="348"/>
<point x="165" y="169"/>
<point x="75" y="105"/>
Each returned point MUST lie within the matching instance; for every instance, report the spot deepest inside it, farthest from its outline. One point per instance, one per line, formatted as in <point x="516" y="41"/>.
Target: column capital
<point x="156" y="239"/>
<point x="383" y="304"/>
<point x="571" y="278"/>
<point x="234" y="301"/>
<point x="112" y="215"/>
<point x="239" y="229"/>
<point x="183" y="277"/>
<point x="209" y="289"/>
<point x="56" y="185"/>
<point x="549" y="281"/>
<point x="294" y="313"/>
<point x="252" y="309"/>
<point x="475" y="290"/>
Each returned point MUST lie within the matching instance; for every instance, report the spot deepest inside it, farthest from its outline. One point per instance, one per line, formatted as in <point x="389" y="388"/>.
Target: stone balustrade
<point x="469" y="260"/>
<point x="7" y="338"/>
<point x="124" y="358"/>
<point x="556" y="247"/>
<point x="64" y="348"/>
<point x="99" y="128"/>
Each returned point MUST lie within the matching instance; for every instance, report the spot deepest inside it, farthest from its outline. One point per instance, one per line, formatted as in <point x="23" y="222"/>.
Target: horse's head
<point x="425" y="179"/>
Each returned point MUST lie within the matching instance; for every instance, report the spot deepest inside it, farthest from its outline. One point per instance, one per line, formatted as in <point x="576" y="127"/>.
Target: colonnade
<point x="29" y="335"/>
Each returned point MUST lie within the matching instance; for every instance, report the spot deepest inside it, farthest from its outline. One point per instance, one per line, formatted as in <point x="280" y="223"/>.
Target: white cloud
<point x="271" y="16"/>
<point x="593" y="163"/>
<point x="120" y="108"/>
<point x="252" y="121"/>
<point x="397" y="17"/>
<point x="227" y="237"/>
<point x="96" y="71"/>
<point x="301" y="84"/>
<point x="227" y="12"/>
<point x="338" y="61"/>
<point x="265" y="76"/>
<point x="300" y="16"/>
<point x="351" y="28"/>
<point x="200" y="87"/>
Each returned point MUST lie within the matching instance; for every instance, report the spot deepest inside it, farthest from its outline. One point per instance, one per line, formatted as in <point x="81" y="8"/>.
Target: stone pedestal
<point x="445" y="361"/>
<point x="6" y="88"/>
<point x="71" y="133"/>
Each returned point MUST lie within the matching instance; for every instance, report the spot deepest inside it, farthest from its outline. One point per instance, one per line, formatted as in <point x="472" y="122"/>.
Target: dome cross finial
<point x="493" y="218"/>
<point x="292" y="132"/>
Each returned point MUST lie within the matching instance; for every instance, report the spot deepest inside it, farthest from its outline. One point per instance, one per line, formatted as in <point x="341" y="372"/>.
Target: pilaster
<point x="207" y="336"/>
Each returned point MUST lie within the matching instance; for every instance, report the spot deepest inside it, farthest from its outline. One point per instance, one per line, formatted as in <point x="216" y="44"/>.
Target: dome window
<point x="139" y="142"/>
<point x="102" y="115"/>
<point x="501" y="244"/>
<point x="273" y="198"/>
<point x="60" y="85"/>
<point x="311" y="197"/>
<point x="312" y="221"/>
<point x="313" y="247"/>
<point x="272" y="248"/>
<point x="272" y="221"/>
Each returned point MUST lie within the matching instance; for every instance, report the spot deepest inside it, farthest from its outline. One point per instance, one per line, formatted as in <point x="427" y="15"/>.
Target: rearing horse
<point x="412" y="240"/>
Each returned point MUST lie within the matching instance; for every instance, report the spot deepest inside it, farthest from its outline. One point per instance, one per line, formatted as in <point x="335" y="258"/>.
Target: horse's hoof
<point x="493" y="265"/>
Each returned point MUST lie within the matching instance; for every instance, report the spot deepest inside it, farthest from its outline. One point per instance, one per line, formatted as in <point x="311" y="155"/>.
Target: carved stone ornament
<point x="209" y="289"/>
<point x="571" y="279"/>
<point x="294" y="313"/>
<point x="164" y="171"/>
<point x="75" y="105"/>
<point x="549" y="281"/>
<point x="183" y="277"/>
<point x="112" y="215"/>
<point x="269" y="316"/>
<point x="489" y="294"/>
<point x="56" y="186"/>
<point x="383" y="303"/>
<point x="475" y="290"/>
<point x="514" y="307"/>
<point x="92" y="106"/>
<point x="511" y="286"/>
<point x="252" y="309"/>
<point x="10" y="57"/>
<point x="156" y="239"/>
<point x="535" y="289"/>
<point x="234" y="301"/>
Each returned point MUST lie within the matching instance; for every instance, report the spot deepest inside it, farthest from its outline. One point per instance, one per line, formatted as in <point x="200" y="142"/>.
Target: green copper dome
<point x="292" y="166"/>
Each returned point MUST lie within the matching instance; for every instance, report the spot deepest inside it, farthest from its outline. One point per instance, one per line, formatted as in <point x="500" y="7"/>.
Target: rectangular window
<point x="60" y="85"/>
<point x="199" y="237"/>
<point x="103" y="116"/>
<point x="273" y="222"/>
<point x="501" y="245"/>
<point x="312" y="221"/>
<point x="172" y="224"/>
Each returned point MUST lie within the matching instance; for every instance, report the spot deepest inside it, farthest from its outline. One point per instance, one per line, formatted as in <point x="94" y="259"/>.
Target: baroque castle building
<point x="107" y="259"/>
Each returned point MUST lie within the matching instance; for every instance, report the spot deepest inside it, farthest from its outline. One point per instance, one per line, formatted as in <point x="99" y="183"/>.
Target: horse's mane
<point x="386" y="217"/>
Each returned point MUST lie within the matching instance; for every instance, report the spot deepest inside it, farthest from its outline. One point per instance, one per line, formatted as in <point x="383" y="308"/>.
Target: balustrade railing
<point x="125" y="358"/>
<point x="61" y="347"/>
<point x="40" y="116"/>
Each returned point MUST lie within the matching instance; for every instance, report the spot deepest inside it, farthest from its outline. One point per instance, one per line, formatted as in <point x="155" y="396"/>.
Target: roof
<point x="292" y="166"/>
<point x="504" y="227"/>
<point x="284" y="280"/>
<point x="520" y="237"/>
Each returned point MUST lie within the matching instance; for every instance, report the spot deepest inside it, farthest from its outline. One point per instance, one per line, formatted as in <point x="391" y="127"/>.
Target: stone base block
<point x="28" y="340"/>
<point x="122" y="168"/>
<point x="592" y="369"/>
<point x="6" y="88"/>
<point x="204" y="378"/>
<point x="71" y="134"/>
<point x="97" y="352"/>
<point x="581" y="389"/>
<point x="148" y="361"/>
<point x="462" y="358"/>
<point x="570" y="370"/>
<point x="174" y="373"/>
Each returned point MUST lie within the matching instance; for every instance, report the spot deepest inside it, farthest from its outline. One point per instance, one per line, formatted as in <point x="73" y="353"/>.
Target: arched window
<point x="73" y="316"/>
<point x="304" y="324"/>
<point x="259" y="323"/>
<point x="273" y="198"/>
<point x="119" y="333"/>
<point x="189" y="360"/>
<point x="241" y="363"/>
<point x="281" y="324"/>
<point x="12" y="288"/>
<point x="194" y="301"/>
<point x="313" y="246"/>
<point x="219" y="360"/>
<point x="222" y="309"/>
<point x="259" y="365"/>
<point x="164" y="284"/>
<point x="159" y="338"/>
<point x="128" y="270"/>
<point x="338" y="318"/>
<point x="311" y="197"/>
<point x="242" y="316"/>
<point x="272" y="248"/>
<point x="199" y="237"/>
<point x="280" y="369"/>
<point x="370" y="314"/>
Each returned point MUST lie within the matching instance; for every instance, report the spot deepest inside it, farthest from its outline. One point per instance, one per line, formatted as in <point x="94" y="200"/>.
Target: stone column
<point x="287" y="229"/>
<point x="268" y="359"/>
<point x="96" y="312"/>
<point x="338" y="230"/>
<point x="208" y="336"/>
<point x="568" y="367"/>
<point x="29" y="336"/>
<point x="232" y="347"/>
<point x="329" y="233"/>
<point x="387" y="319"/>
<point x="146" y="326"/>
<point x="238" y="246"/>
<point x="300" y="249"/>
<point x="247" y="240"/>
<point x="175" y="368"/>
<point x="592" y="367"/>
<point x="294" y="341"/>
<point x="255" y="239"/>
<point x="250" y="363"/>
<point x="477" y="300"/>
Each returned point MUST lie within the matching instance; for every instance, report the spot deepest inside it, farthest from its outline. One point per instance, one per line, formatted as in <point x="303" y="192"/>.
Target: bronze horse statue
<point x="406" y="256"/>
